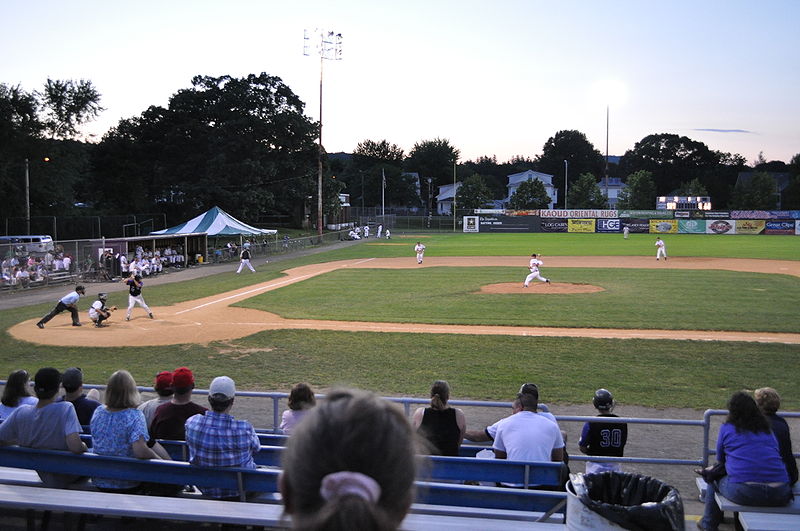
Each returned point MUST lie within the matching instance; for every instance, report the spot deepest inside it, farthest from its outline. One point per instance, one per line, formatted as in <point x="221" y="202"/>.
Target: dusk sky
<point x="494" y="78"/>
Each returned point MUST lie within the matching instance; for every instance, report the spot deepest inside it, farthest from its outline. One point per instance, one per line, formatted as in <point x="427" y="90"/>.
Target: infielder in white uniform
<point x="661" y="249"/>
<point x="380" y="230"/>
<point x="244" y="258"/>
<point x="420" y="250"/>
<point x="533" y="266"/>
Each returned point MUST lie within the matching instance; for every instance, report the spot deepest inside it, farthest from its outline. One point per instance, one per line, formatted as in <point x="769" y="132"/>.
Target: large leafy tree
<point x="693" y="187"/>
<point x="575" y="148"/>
<point x="240" y="143"/>
<point x="640" y="192"/>
<point x="432" y="159"/>
<point x="671" y="159"/>
<point x="376" y="164"/>
<point x="530" y="194"/>
<point x="585" y="193"/>
<point x="473" y="193"/>
<point x="67" y="105"/>
<point x="757" y="193"/>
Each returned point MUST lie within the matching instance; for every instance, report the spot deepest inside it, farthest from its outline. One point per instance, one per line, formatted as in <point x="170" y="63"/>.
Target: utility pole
<point x="566" y="182"/>
<point x="27" y="199"/>
<point x="329" y="47"/>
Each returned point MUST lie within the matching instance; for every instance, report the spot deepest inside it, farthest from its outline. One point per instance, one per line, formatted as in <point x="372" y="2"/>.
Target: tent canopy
<point x="216" y="222"/>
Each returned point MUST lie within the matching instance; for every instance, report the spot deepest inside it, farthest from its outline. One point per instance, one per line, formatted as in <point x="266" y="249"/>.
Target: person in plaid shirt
<point x="217" y="439"/>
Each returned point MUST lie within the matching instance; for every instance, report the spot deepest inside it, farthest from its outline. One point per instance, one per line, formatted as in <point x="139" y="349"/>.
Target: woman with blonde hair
<point x="119" y="429"/>
<point x="441" y="425"/>
<point x="349" y="465"/>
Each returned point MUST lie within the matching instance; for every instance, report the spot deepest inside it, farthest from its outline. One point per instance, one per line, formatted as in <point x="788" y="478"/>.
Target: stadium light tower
<point x="328" y="45"/>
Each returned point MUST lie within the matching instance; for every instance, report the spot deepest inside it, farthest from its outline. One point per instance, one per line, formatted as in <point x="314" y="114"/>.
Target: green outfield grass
<point x="650" y="373"/>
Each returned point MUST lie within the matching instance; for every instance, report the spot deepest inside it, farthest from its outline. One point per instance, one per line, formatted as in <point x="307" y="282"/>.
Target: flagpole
<point x="454" y="197"/>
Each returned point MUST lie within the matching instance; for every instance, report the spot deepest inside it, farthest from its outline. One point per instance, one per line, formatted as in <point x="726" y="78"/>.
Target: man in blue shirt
<point x="217" y="439"/>
<point x="67" y="302"/>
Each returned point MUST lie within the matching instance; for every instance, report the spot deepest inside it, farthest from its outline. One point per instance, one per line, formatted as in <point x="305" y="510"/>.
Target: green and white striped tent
<point x="216" y="222"/>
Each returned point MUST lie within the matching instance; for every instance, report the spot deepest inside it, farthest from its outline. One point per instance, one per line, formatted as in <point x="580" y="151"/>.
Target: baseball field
<point x="719" y="315"/>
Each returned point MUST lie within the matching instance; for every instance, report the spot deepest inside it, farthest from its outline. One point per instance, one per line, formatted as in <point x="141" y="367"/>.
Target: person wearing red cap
<point x="163" y="387"/>
<point x="170" y="417"/>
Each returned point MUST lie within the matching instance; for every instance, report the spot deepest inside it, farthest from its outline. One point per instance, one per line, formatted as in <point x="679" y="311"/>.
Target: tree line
<point x="246" y="145"/>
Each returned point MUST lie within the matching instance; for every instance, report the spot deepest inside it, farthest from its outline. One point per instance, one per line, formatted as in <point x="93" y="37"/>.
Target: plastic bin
<point x="613" y="501"/>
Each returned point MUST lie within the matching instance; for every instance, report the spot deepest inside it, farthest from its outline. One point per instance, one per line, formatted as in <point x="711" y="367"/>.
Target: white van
<point x="25" y="245"/>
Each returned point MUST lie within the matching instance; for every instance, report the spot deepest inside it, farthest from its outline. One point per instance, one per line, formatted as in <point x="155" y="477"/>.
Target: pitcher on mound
<point x="533" y="266"/>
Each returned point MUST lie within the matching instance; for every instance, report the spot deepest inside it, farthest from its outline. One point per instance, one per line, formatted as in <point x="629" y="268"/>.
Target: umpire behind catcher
<point x="67" y="302"/>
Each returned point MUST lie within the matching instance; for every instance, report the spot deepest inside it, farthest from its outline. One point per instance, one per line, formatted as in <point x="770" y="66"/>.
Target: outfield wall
<point x="785" y="222"/>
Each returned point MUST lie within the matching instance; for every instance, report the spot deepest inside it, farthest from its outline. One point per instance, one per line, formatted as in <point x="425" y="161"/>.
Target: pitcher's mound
<point x="540" y="288"/>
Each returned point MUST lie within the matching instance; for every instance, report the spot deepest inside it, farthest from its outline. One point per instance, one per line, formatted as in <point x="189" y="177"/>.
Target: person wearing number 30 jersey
<point x="603" y="438"/>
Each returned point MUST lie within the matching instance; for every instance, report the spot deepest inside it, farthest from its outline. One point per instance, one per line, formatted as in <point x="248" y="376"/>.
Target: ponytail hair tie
<point x="345" y="483"/>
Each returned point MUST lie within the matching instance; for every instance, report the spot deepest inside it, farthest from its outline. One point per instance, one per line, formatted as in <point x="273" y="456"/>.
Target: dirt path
<point x="213" y="319"/>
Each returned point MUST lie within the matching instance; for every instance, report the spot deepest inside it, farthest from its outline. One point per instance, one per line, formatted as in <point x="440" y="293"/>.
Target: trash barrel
<point x="612" y="501"/>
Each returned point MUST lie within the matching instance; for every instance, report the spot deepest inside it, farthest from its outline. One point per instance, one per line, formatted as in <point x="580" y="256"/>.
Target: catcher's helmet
<point x="603" y="399"/>
<point x="80" y="289"/>
<point x="102" y="296"/>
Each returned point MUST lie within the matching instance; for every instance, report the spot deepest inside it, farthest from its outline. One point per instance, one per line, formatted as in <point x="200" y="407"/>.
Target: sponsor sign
<point x="663" y="226"/>
<point x="554" y="225"/>
<point x="718" y="214"/>
<point x="508" y="223"/>
<point x="756" y="214"/>
<point x="797" y="227"/>
<point x="721" y="226"/>
<point x="692" y="226"/>
<point x="645" y="214"/>
<point x="581" y="225"/>
<point x="471" y="224"/>
<point x="578" y="213"/>
<point x="489" y="211"/>
<point x="638" y="225"/>
<point x="782" y="226"/>
<point x="681" y="214"/>
<point x="750" y="226"/>
<point x="608" y="225"/>
<point x="522" y="212"/>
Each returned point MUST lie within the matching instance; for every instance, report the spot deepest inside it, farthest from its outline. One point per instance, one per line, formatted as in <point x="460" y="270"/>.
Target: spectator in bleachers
<point x="349" y="465"/>
<point x="170" y="417"/>
<point x="163" y="388"/>
<point x="72" y="381"/>
<point x="527" y="435"/>
<point x="603" y="438"/>
<point x="769" y="401"/>
<point x="216" y="439"/>
<point x="488" y="433"/>
<point x="67" y="262"/>
<point x="441" y="425"/>
<point x="16" y="393"/>
<point x="47" y="425"/>
<point x="301" y="399"/>
<point x="755" y="473"/>
<point x="118" y="429"/>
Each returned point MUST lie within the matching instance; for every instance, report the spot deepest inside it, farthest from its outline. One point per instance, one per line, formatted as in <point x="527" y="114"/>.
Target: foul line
<point x="255" y="290"/>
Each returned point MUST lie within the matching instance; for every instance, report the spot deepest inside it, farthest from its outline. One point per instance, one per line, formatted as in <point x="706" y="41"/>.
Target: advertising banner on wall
<point x="645" y="214"/>
<point x="608" y="225"/>
<point x="797" y="227"/>
<point x="471" y="224"/>
<point x="663" y="226"/>
<point x="637" y="225"/>
<point x="750" y="226"/>
<point x="718" y="214"/>
<point x="765" y="214"/>
<point x="692" y="226"/>
<point x="502" y="223"/>
<point x="581" y="225"/>
<point x="721" y="226"/>
<point x="554" y="225"/>
<point x="784" y="226"/>
<point x="578" y="213"/>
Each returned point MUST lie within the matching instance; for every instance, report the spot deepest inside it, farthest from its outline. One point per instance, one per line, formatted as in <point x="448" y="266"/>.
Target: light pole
<point x="27" y="199"/>
<point x="566" y="182"/>
<point x="329" y="47"/>
<point x="607" y="152"/>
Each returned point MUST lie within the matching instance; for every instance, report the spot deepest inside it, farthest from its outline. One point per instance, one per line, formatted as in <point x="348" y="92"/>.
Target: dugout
<point x="191" y="245"/>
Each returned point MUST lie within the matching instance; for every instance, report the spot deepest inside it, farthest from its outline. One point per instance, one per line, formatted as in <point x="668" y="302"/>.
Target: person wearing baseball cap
<point x="72" y="381"/>
<point x="49" y="425"/>
<point x="170" y="417"/>
<point x="163" y="388"/>
<point x="67" y="302"/>
<point x="217" y="439"/>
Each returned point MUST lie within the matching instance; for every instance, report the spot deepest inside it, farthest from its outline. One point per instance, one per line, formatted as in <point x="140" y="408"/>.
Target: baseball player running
<point x="533" y="266"/>
<point x="135" y="296"/>
<point x="245" y="260"/>
<point x="661" y="249"/>
<point x="419" y="249"/>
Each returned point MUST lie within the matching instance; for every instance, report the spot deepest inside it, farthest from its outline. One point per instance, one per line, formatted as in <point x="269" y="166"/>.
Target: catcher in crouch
<point x="99" y="312"/>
